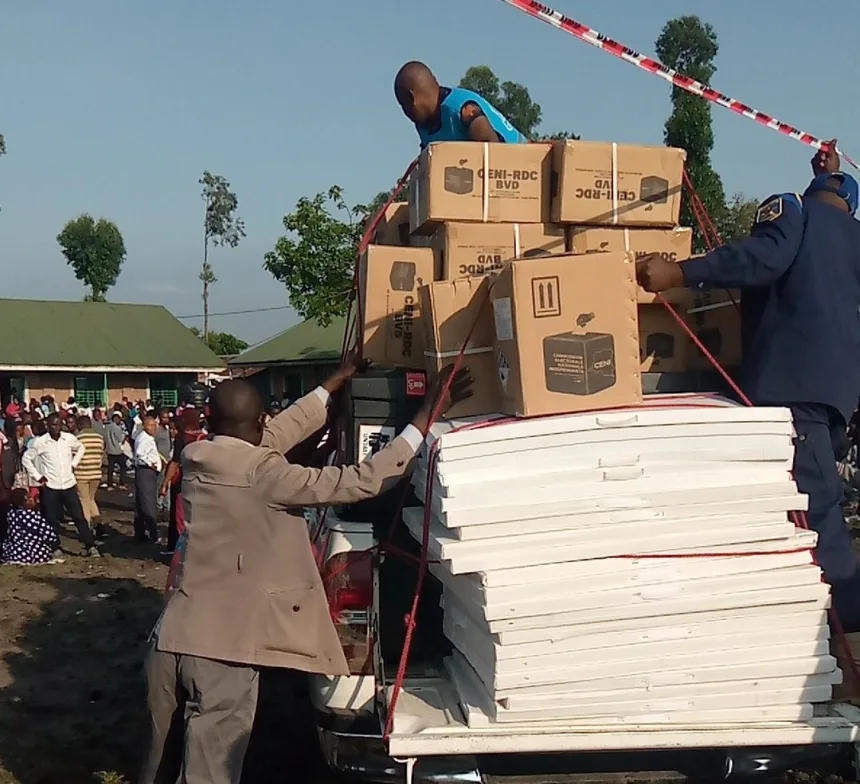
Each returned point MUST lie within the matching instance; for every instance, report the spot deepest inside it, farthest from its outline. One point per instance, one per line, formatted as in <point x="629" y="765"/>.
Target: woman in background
<point x="30" y="538"/>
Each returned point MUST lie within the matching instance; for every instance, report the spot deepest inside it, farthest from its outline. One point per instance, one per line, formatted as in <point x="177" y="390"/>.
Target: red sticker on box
<point x="416" y="385"/>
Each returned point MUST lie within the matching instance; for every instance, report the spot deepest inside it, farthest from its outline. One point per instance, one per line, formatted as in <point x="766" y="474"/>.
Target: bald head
<point x="417" y="92"/>
<point x="236" y="409"/>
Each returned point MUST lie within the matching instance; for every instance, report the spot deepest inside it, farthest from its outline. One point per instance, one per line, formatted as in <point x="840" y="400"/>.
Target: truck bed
<point x="429" y="721"/>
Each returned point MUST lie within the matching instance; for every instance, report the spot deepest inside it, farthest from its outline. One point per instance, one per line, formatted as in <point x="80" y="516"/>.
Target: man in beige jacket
<point x="249" y="594"/>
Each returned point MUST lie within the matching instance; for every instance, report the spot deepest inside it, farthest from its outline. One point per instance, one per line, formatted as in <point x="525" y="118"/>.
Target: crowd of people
<point x="55" y="457"/>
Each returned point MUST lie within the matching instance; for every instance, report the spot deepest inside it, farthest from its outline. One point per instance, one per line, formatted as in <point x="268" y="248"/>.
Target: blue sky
<point x="116" y="107"/>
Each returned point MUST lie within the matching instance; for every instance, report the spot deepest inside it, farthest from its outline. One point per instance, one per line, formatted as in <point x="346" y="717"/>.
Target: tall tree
<point x="221" y="226"/>
<point x="2" y="145"/>
<point x="95" y="251"/>
<point x="222" y="343"/>
<point x="690" y="46"/>
<point x="315" y="260"/>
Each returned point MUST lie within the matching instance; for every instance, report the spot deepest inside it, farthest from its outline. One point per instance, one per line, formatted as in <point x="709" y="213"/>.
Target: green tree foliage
<point x="316" y="258"/>
<point x="221" y="226"/>
<point x="95" y="251"/>
<point x="222" y="343"/>
<point x="738" y="218"/>
<point x="690" y="46"/>
<point x="2" y="145"/>
<point x="512" y="99"/>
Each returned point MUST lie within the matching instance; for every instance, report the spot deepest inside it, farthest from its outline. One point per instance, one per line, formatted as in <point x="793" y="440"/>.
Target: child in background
<point x="30" y="539"/>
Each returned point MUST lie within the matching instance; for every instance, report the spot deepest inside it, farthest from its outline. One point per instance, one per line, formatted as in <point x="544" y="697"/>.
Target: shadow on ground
<point x="75" y="703"/>
<point x="75" y="700"/>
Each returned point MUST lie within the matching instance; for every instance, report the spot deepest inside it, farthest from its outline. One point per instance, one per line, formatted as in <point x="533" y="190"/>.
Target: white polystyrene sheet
<point x="656" y="410"/>
<point x="681" y="471"/>
<point x="757" y="607"/>
<point x="667" y="434"/>
<point x="606" y="498"/>
<point x="546" y="672"/>
<point x="632" y="677"/>
<point x="465" y="557"/>
<point x="621" y="645"/>
<point x="784" y="503"/>
<point x="607" y="534"/>
<point x="532" y="604"/>
<point x="608" y="573"/>
<point x="670" y="631"/>
<point x="752" y="704"/>
<point x="602" y="541"/>
<point x="537" y="625"/>
<point x="652" y="593"/>
<point x="580" y="703"/>
<point x="663" y="696"/>
<point x="429" y="721"/>
<point x="681" y="451"/>
<point x="603" y="483"/>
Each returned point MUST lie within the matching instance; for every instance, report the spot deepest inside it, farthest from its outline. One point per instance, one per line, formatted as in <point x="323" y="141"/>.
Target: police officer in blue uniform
<point x="799" y="273"/>
<point x="444" y="114"/>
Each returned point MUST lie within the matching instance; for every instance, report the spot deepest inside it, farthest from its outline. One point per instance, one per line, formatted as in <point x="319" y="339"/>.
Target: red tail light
<point x="348" y="581"/>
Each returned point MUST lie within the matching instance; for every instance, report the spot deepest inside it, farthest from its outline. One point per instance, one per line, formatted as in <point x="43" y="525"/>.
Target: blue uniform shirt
<point x="800" y="276"/>
<point x="452" y="127"/>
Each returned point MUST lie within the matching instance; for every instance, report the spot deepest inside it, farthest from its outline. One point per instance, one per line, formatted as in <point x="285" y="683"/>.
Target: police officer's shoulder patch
<point x="776" y="206"/>
<point x="770" y="210"/>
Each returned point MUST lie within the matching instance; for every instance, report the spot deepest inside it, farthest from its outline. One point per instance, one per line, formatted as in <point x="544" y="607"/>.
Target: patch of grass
<point x="103" y="777"/>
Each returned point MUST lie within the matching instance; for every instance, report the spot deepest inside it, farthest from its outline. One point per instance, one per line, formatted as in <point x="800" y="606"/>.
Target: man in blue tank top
<point x="799" y="273"/>
<point x="444" y="114"/>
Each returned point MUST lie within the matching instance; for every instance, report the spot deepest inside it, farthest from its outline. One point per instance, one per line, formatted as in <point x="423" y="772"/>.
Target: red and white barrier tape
<point x="590" y="36"/>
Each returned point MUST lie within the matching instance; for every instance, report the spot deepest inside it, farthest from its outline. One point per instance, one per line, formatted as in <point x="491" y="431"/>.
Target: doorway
<point x="9" y="386"/>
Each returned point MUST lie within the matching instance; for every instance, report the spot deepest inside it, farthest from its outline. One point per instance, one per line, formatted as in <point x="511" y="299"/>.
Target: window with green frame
<point x="164" y="391"/>
<point x="90" y="390"/>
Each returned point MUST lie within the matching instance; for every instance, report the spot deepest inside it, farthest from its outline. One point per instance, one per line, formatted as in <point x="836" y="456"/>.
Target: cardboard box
<point x="567" y="334"/>
<point x="389" y="279"/>
<point x="603" y="183"/>
<point x="394" y="227"/>
<point x="664" y="345"/>
<point x="449" y="310"/>
<point x="716" y="319"/>
<point x="465" y="249"/>
<point x="672" y="244"/>
<point x="482" y="182"/>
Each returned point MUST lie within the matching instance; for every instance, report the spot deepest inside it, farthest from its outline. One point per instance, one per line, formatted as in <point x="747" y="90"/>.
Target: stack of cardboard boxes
<point x="557" y="228"/>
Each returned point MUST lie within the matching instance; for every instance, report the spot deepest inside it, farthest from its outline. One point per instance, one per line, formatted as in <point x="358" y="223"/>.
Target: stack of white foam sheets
<point x="627" y="564"/>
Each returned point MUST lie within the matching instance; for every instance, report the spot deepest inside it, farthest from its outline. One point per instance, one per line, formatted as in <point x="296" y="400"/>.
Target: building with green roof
<point x="98" y="352"/>
<point x="292" y="363"/>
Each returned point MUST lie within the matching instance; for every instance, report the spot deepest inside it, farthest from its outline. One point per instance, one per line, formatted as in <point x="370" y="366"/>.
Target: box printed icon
<point x="579" y="364"/>
<point x="459" y="180"/>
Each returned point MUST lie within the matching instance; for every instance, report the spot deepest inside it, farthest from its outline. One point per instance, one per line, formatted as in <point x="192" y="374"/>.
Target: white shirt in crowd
<point x="146" y="452"/>
<point x="56" y="461"/>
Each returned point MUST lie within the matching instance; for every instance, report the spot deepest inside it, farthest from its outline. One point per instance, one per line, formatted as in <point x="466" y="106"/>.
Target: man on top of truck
<point x="445" y="114"/>
<point x="799" y="273"/>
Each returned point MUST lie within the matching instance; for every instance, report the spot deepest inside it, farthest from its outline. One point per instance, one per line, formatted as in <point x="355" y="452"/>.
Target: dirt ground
<point x="72" y="702"/>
